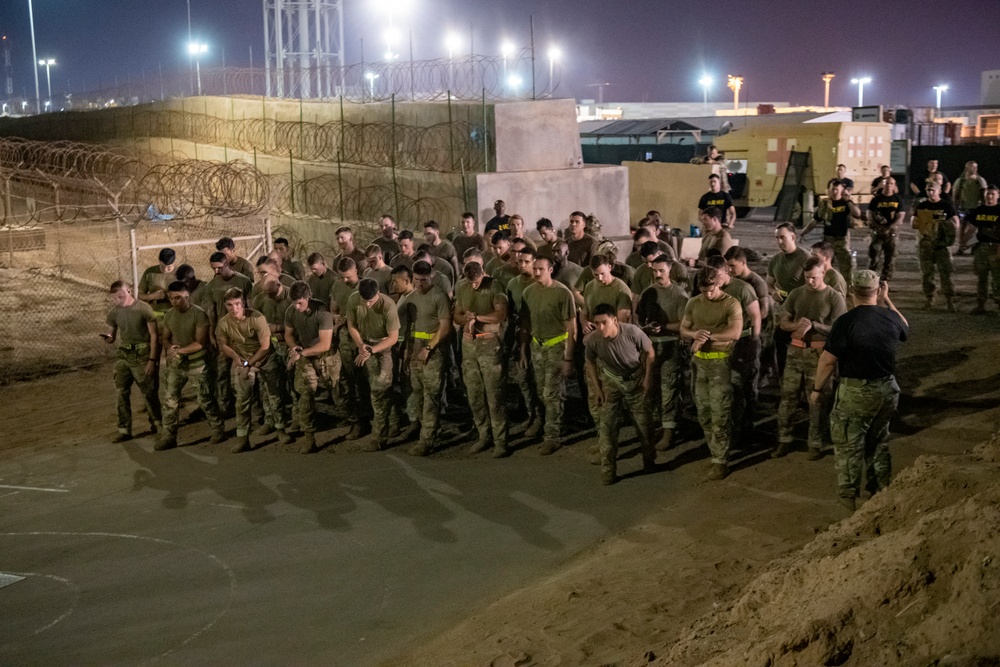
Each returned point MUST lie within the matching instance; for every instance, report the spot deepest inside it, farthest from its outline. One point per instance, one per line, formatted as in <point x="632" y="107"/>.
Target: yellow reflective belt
<point x="423" y="335"/>
<point x="711" y="355"/>
<point x="552" y="341"/>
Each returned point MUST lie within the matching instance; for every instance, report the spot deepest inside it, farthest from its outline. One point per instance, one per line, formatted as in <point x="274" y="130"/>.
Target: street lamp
<point x="196" y="50"/>
<point x="554" y="55"/>
<point x="452" y="42"/>
<point x="940" y="89"/>
<point x="705" y="81"/>
<point x="860" y="83"/>
<point x="47" y="64"/>
<point x="34" y="56"/>
<point x="514" y="82"/>
<point x="735" y="83"/>
<point x="827" y="78"/>
<point x="391" y="36"/>
<point x="371" y="76"/>
<point x="506" y="50"/>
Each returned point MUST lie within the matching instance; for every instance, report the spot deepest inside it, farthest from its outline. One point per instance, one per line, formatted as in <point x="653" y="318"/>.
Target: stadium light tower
<point x="705" y="82"/>
<point x="735" y="83"/>
<point x="860" y="83"/>
<point x="827" y="78"/>
<point x="304" y="47"/>
<point x="554" y="55"/>
<point x="939" y="90"/>
<point x="196" y="50"/>
<point x="47" y="63"/>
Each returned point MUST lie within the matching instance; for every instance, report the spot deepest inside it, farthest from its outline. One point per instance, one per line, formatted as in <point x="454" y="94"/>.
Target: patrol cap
<point x="607" y="247"/>
<point x="865" y="279"/>
<point x="368" y="288"/>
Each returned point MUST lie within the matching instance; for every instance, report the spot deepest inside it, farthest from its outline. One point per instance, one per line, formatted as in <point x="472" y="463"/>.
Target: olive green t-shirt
<point x="516" y="287"/>
<point x="307" y="325"/>
<point x="184" y="326"/>
<point x="153" y="280"/>
<point x="834" y="279"/>
<point x="621" y="355"/>
<point x="549" y="309"/>
<point x="132" y="322"/>
<point x="581" y="250"/>
<point x="382" y="276"/>
<point x="444" y="250"/>
<point x="715" y="316"/>
<point x="482" y="301"/>
<point x="243" y="267"/>
<point x="242" y="336"/>
<point x="321" y="285"/>
<point x="617" y="294"/>
<point x="294" y="268"/>
<point x="742" y="292"/>
<point x="501" y="271"/>
<point x="373" y="323"/>
<point x="340" y="294"/>
<point x="644" y="277"/>
<point x="786" y="269"/>
<point x="390" y="247"/>
<point x="824" y="307"/>
<point x="463" y="243"/>
<point x="258" y="287"/>
<point x="424" y="310"/>
<point x="216" y="292"/>
<point x="569" y="275"/>
<point x="720" y="240"/>
<point x="661" y="306"/>
<point x="273" y="308"/>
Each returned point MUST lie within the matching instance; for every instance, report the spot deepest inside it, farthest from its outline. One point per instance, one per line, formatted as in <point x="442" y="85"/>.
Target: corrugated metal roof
<point x="634" y="128"/>
<point x="711" y="124"/>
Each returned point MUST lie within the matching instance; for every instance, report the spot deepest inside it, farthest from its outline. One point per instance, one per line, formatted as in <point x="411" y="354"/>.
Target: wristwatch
<point x="246" y="363"/>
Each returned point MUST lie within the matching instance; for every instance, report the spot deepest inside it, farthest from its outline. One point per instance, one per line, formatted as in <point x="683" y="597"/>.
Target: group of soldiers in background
<point x="394" y="332"/>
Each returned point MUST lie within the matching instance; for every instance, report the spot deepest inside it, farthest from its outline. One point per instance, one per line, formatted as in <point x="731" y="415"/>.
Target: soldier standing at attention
<point x="289" y="264"/>
<point x="720" y="200"/>
<point x="245" y="337"/>
<point x="659" y="313"/>
<point x="407" y="251"/>
<point x="582" y="246"/>
<point x="784" y="273"/>
<point x="885" y="215"/>
<point x="215" y="301"/>
<point x="713" y="322"/>
<point x="835" y="213"/>
<point x="321" y="277"/>
<point x="309" y="336"/>
<point x="373" y="322"/>
<point x="715" y="237"/>
<point x="518" y="368"/>
<point x="986" y="252"/>
<point x="936" y="222"/>
<point x="353" y="391"/>
<point x="240" y="265"/>
<point x="345" y="242"/>
<point x="499" y="222"/>
<point x="273" y="302"/>
<point x="427" y="309"/>
<point x="861" y="348"/>
<point x="137" y="356"/>
<point x="519" y="231"/>
<point x="441" y="248"/>
<point x="387" y="237"/>
<point x="968" y="194"/>
<point x="377" y="269"/>
<point x="831" y="276"/>
<point x="481" y="311"/>
<point x="185" y="341"/>
<point x="626" y="361"/>
<point x="810" y="311"/>
<point x="153" y="284"/>
<point x="469" y="238"/>
<point x="550" y="327"/>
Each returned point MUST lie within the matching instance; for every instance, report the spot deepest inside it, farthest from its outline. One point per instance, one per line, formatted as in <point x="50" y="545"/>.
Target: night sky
<point x="649" y="50"/>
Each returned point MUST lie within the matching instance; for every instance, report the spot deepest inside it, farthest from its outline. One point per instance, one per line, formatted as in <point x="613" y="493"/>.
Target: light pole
<point x="735" y="83"/>
<point x="506" y="50"/>
<point x="554" y="55"/>
<point x="827" y="78"/>
<point x="47" y="64"/>
<point x="514" y="83"/>
<point x="196" y="50"/>
<point x="391" y="36"/>
<point x="451" y="41"/>
<point x="860" y="83"/>
<point x="371" y="76"/>
<point x="939" y="90"/>
<point x="34" y="56"/>
<point x="705" y="81"/>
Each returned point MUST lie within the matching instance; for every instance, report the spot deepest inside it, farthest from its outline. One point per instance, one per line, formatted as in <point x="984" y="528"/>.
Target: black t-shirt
<point x="720" y="200"/>
<point x="840" y="219"/>
<point x="923" y="184"/>
<point x="885" y="208"/>
<point x="987" y="222"/>
<point x="865" y="340"/>
<point x="498" y="222"/>
<point x="848" y="183"/>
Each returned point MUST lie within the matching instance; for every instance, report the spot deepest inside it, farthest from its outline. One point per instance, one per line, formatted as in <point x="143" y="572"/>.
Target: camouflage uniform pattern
<point x="713" y="397"/>
<point x="482" y="372"/>
<point x="378" y="370"/>
<point x="130" y="367"/>
<point x="547" y="364"/>
<point x="668" y="365"/>
<point x="424" y="403"/>
<point x="269" y="381"/>
<point x="620" y="397"/>
<point x="935" y="257"/>
<point x="800" y="373"/>
<point x="310" y="373"/>
<point x="859" y="425"/>
<point x="180" y="370"/>
<point x="986" y="264"/>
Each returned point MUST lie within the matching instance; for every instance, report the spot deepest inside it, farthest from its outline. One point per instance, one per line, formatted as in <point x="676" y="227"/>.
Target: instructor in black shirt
<point x="862" y="346"/>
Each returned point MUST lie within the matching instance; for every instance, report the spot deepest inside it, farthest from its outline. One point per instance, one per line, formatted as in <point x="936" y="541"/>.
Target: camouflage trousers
<point x="713" y="398"/>
<point x="287" y="396"/>
<point x="745" y="366"/>
<point x="424" y="402"/>
<point x="667" y="365"/>
<point x="859" y="425"/>
<point x="201" y="371"/>
<point x="352" y="378"/>
<point x="378" y="370"/>
<point x="224" y="396"/>
<point x="547" y="363"/>
<point x="882" y="254"/>
<point x="986" y="264"/>
<point x="130" y="368"/>
<point x="268" y="380"/>
<point x="310" y="374"/>
<point x="482" y="372"/>
<point x="622" y="397"/>
<point x="935" y="258"/>
<point x="842" y="254"/>
<point x="800" y="373"/>
<point x="524" y="378"/>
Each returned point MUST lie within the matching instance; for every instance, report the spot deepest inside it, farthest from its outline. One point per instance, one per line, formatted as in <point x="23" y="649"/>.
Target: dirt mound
<point x="912" y="578"/>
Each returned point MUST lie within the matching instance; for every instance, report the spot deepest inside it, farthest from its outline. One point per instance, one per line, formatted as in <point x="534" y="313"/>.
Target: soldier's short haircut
<point x="300" y="290"/>
<point x="715" y="261"/>
<point x="548" y="260"/>
<point x="263" y="259"/>
<point x="225" y="242"/>
<point x="662" y="258"/>
<point x="599" y="260"/>
<point x="233" y="293"/>
<point x="518" y="239"/>
<point x="578" y="214"/>
<point x="468" y="214"/>
<point x="184" y="272"/>
<point x="993" y="186"/>
<point x="368" y="288"/>
<point x="406" y="234"/>
<point x="402" y="268"/>
<point x="499" y="237"/>
<point x="422" y="268"/>
<point x="346" y="264"/>
<point x="217" y="258"/>
<point x="423" y="253"/>
<point x="605" y="309"/>
<point x="281" y="240"/>
<point x="544" y="223"/>
<point x="472" y="252"/>
<point x="786" y="226"/>
<point x="117" y="286"/>
<point x="812" y="263"/>
<point x="708" y="276"/>
<point x="167" y="256"/>
<point x="736" y="254"/>
<point x="650" y="214"/>
<point x="373" y="250"/>
<point x="527" y="250"/>
<point x="824" y="248"/>
<point x="834" y="181"/>
<point x="387" y="216"/>
<point x="649" y="248"/>
<point x="432" y="224"/>
<point x="713" y="212"/>
<point x="642" y="232"/>
<point x="315" y="258"/>
<point x="713" y="252"/>
<point x="343" y="230"/>
<point x="715" y="176"/>
<point x="177" y="286"/>
<point x="473" y="270"/>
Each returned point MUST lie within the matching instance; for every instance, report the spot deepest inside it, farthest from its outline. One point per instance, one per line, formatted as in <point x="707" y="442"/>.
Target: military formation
<point x="394" y="338"/>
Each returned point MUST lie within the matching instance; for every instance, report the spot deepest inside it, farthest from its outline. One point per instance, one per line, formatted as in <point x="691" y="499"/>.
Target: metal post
<point x="268" y="242"/>
<point x="486" y="137"/>
<point x="135" y="256"/>
<point x="451" y="137"/>
<point x="392" y="158"/>
<point x="412" y="81"/>
<point x="531" y="22"/>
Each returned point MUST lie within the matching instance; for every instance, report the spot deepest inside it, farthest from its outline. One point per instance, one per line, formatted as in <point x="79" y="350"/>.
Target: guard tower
<point x="304" y="54"/>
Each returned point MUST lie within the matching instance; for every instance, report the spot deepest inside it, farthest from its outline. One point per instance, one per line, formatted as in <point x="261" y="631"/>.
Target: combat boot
<point x="480" y="446"/>
<point x="420" y="449"/>
<point x="929" y="303"/>
<point x="814" y="454"/>
<point x="950" y="304"/>
<point x="308" y="443"/>
<point x="165" y="442"/>
<point x="121" y="437"/>
<point x="666" y="441"/>
<point x="411" y="432"/>
<point x="242" y="446"/>
<point x="718" y="471"/>
<point x="373" y="445"/>
<point x="283" y="437"/>
<point x="218" y="435"/>
<point x="500" y="451"/>
<point x="534" y="429"/>
<point x="549" y="447"/>
<point x="648" y="464"/>
<point x="849" y="503"/>
<point x="782" y="450"/>
<point x="980" y="308"/>
<point x="608" y="477"/>
<point x="266" y="429"/>
<point x="594" y="456"/>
